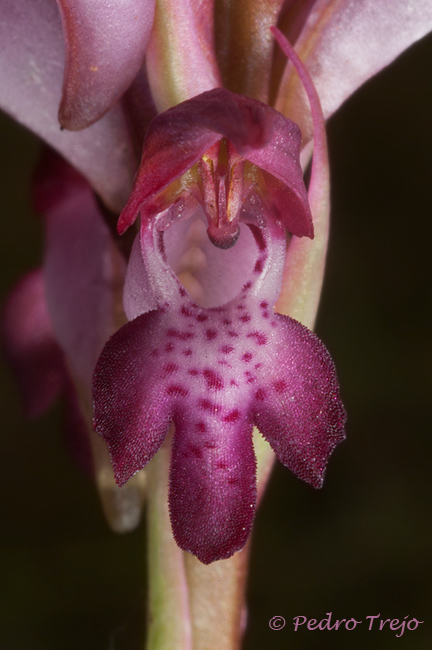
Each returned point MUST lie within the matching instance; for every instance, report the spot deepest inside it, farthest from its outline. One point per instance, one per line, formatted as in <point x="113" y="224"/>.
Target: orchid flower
<point x="217" y="371"/>
<point x="223" y="262"/>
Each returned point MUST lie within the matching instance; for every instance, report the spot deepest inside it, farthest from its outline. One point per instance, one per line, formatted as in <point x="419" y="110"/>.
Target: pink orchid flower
<point x="216" y="371"/>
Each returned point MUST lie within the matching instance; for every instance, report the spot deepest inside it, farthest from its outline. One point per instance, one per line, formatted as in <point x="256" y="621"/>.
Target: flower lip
<point x="183" y="135"/>
<point x="215" y="372"/>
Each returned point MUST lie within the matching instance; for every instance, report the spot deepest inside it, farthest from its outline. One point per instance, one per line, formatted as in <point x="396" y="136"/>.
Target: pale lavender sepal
<point x="359" y="40"/>
<point x="31" y="75"/>
<point x="82" y="268"/>
<point x="345" y="42"/>
<point x="105" y="46"/>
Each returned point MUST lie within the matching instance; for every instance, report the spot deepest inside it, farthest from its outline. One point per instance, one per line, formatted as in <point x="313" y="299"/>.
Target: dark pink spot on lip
<point x="194" y="451"/>
<point x="213" y="379"/>
<point x="245" y="318"/>
<point x="248" y="356"/>
<point x="210" y="335"/>
<point x="193" y="372"/>
<point x="187" y="352"/>
<point x="185" y="311"/>
<point x="169" y="347"/>
<point x="182" y="291"/>
<point x="200" y="427"/>
<point x="169" y="369"/>
<point x="260" y="337"/>
<point x="177" y="391"/>
<point x="226" y="349"/>
<point x="234" y="416"/>
<point x="232" y="333"/>
<point x="260" y="395"/>
<point x="241" y="306"/>
<point x="207" y="405"/>
<point x="264" y="304"/>
<point x="201" y="318"/>
<point x="227" y="321"/>
<point x="280" y="386"/>
<point x="182" y="336"/>
<point x="247" y="286"/>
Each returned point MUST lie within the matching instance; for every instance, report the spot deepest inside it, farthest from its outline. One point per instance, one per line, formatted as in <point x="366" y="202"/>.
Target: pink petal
<point x="181" y="60"/>
<point x="132" y="411"/>
<point x="344" y="43"/>
<point x="30" y="346"/>
<point x="82" y="267"/>
<point x="138" y="296"/>
<point x="212" y="484"/>
<point x="105" y="45"/>
<point x="177" y="139"/>
<point x="31" y="73"/>
<point x="298" y="409"/>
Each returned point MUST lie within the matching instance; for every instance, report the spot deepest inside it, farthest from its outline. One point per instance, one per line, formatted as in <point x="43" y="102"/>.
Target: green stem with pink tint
<point x="180" y="57"/>
<point x="304" y="267"/>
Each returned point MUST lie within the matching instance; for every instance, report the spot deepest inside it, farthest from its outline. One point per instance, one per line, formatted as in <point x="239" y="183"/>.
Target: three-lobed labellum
<point x="215" y="372"/>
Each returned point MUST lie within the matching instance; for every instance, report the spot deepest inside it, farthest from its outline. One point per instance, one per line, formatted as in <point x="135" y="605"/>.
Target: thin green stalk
<point x="169" y="623"/>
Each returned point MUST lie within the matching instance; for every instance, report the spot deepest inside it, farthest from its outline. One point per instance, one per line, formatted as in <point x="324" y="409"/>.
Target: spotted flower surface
<point x="216" y="371"/>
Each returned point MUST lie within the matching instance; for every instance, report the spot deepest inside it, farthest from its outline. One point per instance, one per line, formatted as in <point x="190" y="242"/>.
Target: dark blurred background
<point x="359" y="547"/>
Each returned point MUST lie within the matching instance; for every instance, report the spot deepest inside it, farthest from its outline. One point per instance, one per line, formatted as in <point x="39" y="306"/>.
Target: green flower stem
<point x="217" y="601"/>
<point x="169" y="624"/>
<point x="180" y="56"/>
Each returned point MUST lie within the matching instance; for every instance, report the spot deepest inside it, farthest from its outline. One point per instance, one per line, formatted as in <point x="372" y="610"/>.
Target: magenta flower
<point x="216" y="371"/>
